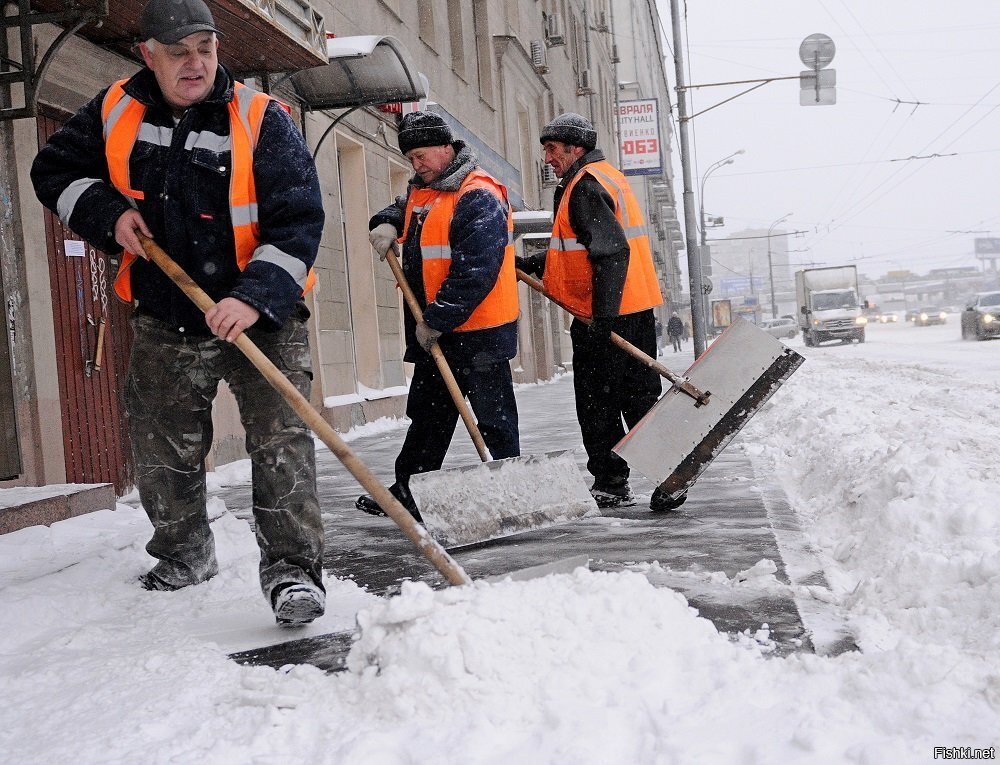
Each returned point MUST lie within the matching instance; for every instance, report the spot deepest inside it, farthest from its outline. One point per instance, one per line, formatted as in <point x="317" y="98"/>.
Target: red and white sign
<point x="639" y="135"/>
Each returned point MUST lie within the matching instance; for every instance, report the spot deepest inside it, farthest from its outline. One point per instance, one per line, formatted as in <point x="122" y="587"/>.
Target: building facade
<point x="497" y="70"/>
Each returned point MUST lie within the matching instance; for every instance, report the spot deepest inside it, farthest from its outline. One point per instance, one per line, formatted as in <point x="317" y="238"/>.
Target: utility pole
<point x="770" y="267"/>
<point x="695" y="279"/>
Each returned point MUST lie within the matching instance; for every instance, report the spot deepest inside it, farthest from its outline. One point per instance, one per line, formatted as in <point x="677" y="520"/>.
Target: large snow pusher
<point x="704" y="409"/>
<point x="498" y="498"/>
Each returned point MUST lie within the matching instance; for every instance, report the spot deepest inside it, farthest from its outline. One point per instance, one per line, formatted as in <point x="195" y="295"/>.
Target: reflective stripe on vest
<point x="436" y="209"/>
<point x="123" y="115"/>
<point x="568" y="273"/>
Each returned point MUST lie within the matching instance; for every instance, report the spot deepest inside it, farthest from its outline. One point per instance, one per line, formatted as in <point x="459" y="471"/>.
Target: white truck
<point x="828" y="305"/>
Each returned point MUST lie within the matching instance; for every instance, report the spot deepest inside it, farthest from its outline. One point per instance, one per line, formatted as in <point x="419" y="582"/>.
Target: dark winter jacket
<point x="592" y="216"/>
<point x="186" y="204"/>
<point x="478" y="236"/>
<point x="675" y="326"/>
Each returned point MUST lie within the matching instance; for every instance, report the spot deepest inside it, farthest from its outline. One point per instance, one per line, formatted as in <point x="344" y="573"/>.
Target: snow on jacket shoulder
<point x="182" y="168"/>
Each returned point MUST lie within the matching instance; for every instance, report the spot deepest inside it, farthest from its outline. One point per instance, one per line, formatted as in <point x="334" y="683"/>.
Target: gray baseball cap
<point x="168" y="21"/>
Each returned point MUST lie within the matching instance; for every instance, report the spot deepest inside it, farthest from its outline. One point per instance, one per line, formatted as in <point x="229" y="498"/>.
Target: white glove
<point x="427" y="336"/>
<point x="382" y="237"/>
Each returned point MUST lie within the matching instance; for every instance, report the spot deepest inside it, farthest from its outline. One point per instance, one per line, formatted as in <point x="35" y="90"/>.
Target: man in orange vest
<point x="221" y="178"/>
<point x="599" y="264"/>
<point x="456" y="230"/>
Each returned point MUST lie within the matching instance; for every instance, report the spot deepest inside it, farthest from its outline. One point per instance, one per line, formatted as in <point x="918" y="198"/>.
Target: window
<point x="484" y="49"/>
<point x="425" y="22"/>
<point x="456" y="33"/>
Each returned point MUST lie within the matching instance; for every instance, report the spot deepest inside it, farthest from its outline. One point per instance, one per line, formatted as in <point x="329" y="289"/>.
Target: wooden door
<point x="91" y="386"/>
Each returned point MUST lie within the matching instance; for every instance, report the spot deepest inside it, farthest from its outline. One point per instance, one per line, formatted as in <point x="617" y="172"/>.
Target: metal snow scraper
<point x="703" y="410"/>
<point x="498" y="498"/>
<point x="675" y="441"/>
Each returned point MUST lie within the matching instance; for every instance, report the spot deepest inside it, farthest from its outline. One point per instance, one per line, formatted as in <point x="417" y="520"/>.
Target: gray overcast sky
<point x="831" y="165"/>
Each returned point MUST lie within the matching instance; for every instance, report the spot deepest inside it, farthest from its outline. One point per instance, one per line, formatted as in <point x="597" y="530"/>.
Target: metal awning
<point x="362" y="71"/>
<point x="257" y="36"/>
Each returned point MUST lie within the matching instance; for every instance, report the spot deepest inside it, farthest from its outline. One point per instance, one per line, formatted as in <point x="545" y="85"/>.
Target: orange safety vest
<point x="568" y="272"/>
<point x="437" y="208"/>
<point x="122" y="116"/>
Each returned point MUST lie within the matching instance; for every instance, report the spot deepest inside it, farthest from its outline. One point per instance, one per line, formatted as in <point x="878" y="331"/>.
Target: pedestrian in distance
<point x="600" y="266"/>
<point x="456" y="230"/>
<point x="675" y="329"/>
<point x="219" y="176"/>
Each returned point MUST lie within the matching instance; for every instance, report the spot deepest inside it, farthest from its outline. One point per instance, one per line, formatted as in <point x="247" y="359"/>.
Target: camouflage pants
<point x="172" y="382"/>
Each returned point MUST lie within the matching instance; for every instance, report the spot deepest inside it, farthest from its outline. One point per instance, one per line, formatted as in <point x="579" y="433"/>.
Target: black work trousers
<point x="611" y="386"/>
<point x="433" y="415"/>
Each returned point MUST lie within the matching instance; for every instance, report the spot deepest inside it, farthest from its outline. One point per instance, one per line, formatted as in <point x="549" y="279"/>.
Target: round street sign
<point x="706" y="286"/>
<point x="817" y="51"/>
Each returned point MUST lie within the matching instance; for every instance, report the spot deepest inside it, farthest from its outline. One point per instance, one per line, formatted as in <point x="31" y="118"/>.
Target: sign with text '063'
<point x="639" y="134"/>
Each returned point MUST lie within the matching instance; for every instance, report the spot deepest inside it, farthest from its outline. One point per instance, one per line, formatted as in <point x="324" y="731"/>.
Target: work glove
<point x="599" y="330"/>
<point x="427" y="336"/>
<point x="382" y="237"/>
<point x="533" y="265"/>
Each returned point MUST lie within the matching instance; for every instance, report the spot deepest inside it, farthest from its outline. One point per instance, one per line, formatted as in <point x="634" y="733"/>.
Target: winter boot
<point x="661" y="501"/>
<point x="612" y="493"/>
<point x="368" y="504"/>
<point x="167" y="577"/>
<point x="297" y="604"/>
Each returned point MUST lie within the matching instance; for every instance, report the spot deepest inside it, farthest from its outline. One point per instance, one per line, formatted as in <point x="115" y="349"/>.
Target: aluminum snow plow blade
<point x="676" y="441"/>
<point x="468" y="505"/>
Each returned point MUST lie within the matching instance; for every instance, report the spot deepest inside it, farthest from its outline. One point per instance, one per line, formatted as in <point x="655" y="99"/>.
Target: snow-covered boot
<point x="297" y="604"/>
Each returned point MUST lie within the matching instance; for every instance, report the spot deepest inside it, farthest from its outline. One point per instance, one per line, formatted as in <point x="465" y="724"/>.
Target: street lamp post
<point x="701" y="215"/>
<point x="770" y="267"/>
<point x="711" y="169"/>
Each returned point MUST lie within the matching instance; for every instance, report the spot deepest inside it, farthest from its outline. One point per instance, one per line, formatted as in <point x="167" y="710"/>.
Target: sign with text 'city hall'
<point x="639" y="134"/>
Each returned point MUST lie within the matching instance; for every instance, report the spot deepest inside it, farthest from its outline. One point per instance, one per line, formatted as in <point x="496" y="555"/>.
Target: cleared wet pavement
<point x="733" y="520"/>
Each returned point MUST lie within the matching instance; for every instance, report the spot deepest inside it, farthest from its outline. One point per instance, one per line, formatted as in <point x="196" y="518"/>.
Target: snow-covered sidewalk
<point x="887" y="452"/>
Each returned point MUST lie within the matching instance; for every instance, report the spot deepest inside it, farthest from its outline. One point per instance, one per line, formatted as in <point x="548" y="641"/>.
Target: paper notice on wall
<point x="74" y="248"/>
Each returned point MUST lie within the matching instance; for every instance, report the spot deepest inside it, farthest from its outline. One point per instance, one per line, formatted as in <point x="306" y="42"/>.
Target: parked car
<point x="889" y="317"/>
<point x="930" y="314"/>
<point x="981" y="317"/>
<point x="783" y="327"/>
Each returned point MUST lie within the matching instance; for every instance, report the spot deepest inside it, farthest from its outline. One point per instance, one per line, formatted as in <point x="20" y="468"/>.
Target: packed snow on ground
<point x="887" y="451"/>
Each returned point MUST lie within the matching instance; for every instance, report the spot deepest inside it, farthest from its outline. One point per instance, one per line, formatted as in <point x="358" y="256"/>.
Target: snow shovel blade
<point x="491" y="500"/>
<point x="676" y="440"/>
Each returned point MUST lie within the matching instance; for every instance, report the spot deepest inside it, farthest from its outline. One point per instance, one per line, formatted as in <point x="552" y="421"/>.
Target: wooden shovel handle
<point x="434" y="552"/>
<point x="99" y="353"/>
<point x="442" y="364"/>
<point x="701" y="398"/>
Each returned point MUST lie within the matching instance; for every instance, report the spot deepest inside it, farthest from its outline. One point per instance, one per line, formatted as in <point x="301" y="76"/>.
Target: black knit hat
<point x="423" y="129"/>
<point x="571" y="128"/>
<point x="168" y="21"/>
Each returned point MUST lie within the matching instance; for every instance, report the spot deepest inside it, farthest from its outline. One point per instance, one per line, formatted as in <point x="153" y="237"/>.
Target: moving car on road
<point x="783" y="327"/>
<point x="930" y="315"/>
<point x="981" y="317"/>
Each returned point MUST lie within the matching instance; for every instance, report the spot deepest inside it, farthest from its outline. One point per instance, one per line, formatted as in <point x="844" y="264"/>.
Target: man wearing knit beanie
<point x="599" y="264"/>
<point x="454" y="225"/>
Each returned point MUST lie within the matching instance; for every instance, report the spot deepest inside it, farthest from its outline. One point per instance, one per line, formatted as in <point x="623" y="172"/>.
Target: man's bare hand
<point x="128" y="223"/>
<point x="229" y="317"/>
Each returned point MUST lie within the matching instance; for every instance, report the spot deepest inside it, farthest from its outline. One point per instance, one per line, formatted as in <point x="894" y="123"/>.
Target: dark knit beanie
<point x="423" y="129"/>
<point x="574" y="129"/>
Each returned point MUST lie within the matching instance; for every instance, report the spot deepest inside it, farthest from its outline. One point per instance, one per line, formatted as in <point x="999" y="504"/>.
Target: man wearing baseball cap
<point x="233" y="196"/>
<point x="456" y="229"/>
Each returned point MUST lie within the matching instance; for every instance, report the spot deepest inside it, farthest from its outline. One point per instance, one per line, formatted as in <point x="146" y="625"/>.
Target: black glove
<point x="533" y="265"/>
<point x="600" y="329"/>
